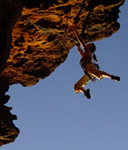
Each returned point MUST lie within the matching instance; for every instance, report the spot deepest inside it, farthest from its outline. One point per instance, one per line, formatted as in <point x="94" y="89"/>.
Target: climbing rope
<point x="50" y="30"/>
<point x="42" y="28"/>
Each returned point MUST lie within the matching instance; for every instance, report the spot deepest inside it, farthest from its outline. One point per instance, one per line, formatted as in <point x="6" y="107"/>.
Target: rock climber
<point x="90" y="68"/>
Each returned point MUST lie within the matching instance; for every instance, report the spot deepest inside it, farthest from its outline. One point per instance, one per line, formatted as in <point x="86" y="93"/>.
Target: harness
<point x="83" y="66"/>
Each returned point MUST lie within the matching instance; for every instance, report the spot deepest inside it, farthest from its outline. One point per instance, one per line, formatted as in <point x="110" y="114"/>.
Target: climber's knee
<point x="99" y="75"/>
<point x="77" y="88"/>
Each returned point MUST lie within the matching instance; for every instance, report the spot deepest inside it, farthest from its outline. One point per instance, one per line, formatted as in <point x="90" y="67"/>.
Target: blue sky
<point x="51" y="116"/>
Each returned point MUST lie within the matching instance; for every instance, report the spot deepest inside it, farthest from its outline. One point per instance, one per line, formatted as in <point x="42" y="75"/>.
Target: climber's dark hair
<point x="93" y="49"/>
<point x="94" y="57"/>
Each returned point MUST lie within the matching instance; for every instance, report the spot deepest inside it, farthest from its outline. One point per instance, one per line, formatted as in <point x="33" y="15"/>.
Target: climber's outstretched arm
<point x="79" y="37"/>
<point x="80" y="51"/>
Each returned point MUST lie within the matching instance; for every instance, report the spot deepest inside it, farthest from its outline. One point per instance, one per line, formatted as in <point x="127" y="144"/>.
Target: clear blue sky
<point x="52" y="117"/>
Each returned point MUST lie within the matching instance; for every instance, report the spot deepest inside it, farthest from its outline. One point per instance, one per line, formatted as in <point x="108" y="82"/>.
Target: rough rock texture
<point x="10" y="11"/>
<point x="37" y="52"/>
<point x="8" y="131"/>
<point x="41" y="40"/>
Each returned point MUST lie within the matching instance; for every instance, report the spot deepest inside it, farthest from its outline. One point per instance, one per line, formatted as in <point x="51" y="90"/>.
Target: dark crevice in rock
<point x="47" y="24"/>
<point x="46" y="4"/>
<point x="66" y="9"/>
<point x="51" y="37"/>
<point x="32" y="3"/>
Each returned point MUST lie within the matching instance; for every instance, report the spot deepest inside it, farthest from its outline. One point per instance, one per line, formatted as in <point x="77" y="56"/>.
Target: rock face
<point x="34" y="44"/>
<point x="10" y="11"/>
<point x="41" y="45"/>
<point x="8" y="131"/>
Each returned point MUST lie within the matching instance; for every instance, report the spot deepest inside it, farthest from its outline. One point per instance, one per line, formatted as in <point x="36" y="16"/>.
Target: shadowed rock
<point x="8" y="131"/>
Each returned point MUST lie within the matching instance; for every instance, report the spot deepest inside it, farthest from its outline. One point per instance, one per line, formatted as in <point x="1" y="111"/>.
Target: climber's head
<point x="92" y="47"/>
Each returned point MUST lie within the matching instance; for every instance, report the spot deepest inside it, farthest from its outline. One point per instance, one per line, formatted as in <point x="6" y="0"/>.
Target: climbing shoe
<point x="87" y="93"/>
<point x="115" y="78"/>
